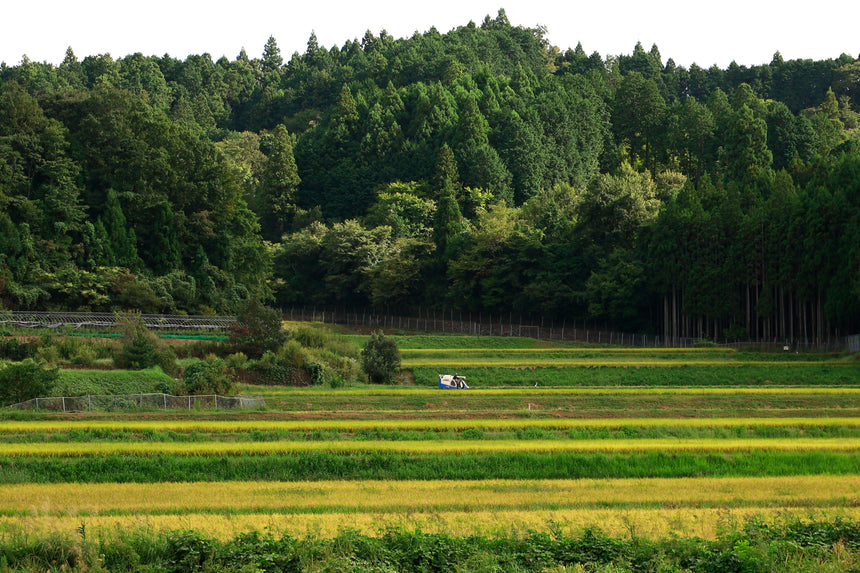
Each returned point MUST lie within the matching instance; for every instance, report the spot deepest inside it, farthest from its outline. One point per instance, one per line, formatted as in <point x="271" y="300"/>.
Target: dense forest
<point x="482" y="170"/>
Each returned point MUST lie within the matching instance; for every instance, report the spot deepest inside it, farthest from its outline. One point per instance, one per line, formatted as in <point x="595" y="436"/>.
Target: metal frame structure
<point x="44" y="319"/>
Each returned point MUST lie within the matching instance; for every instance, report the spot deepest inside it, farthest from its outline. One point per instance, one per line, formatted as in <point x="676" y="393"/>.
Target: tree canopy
<point x="481" y="170"/>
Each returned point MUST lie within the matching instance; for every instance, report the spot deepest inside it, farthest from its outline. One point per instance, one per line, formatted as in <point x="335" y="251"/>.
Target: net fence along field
<point x="668" y="441"/>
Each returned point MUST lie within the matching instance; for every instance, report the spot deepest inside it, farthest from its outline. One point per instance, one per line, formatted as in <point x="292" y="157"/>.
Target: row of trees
<point x="482" y="169"/>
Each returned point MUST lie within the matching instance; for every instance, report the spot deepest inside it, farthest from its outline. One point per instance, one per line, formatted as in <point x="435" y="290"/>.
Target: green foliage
<point x="751" y="545"/>
<point x="140" y="348"/>
<point x="21" y="381"/>
<point x="380" y="358"/>
<point x="208" y="377"/>
<point x="256" y="331"/>
<point x="150" y="183"/>
<point x="12" y="349"/>
<point x="102" y="382"/>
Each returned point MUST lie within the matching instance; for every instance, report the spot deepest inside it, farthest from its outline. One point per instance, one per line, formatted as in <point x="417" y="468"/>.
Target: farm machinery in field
<point x="452" y="382"/>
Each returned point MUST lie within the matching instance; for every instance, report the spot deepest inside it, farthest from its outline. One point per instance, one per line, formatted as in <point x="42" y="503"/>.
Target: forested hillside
<point x="481" y="170"/>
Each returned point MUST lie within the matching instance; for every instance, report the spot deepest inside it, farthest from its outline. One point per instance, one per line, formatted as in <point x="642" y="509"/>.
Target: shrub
<point x="271" y="370"/>
<point x="22" y="381"/>
<point x="380" y="359"/>
<point x="257" y="329"/>
<point x="86" y="355"/>
<point x="319" y="337"/>
<point x="208" y="378"/>
<point x="293" y="353"/>
<point x="11" y="349"/>
<point x="236" y="360"/>
<point x="140" y="348"/>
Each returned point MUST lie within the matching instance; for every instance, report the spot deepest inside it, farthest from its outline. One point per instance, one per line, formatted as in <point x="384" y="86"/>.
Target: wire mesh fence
<point x="432" y="320"/>
<point x="115" y="402"/>
<point x="510" y="324"/>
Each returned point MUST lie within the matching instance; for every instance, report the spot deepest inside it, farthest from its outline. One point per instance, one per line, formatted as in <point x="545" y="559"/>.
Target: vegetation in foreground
<point x="790" y="546"/>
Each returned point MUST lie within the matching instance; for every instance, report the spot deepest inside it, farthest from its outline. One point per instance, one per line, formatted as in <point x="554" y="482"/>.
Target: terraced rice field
<point x="223" y="509"/>
<point x="665" y="441"/>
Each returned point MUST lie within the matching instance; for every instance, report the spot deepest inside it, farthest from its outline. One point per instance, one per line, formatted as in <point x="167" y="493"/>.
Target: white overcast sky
<point x="746" y="31"/>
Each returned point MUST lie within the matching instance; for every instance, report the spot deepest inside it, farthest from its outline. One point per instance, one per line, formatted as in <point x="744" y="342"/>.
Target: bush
<point x="257" y="330"/>
<point x="236" y="360"/>
<point x="11" y="349"/>
<point x="380" y="359"/>
<point x="25" y="380"/>
<point x="208" y="378"/>
<point x="140" y="348"/>
<point x="86" y="356"/>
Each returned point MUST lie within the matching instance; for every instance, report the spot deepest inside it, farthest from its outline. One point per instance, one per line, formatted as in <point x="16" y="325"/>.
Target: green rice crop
<point x="321" y="465"/>
<point x="470" y="430"/>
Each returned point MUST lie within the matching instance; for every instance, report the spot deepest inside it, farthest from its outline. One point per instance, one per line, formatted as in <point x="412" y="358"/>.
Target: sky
<point x="748" y="32"/>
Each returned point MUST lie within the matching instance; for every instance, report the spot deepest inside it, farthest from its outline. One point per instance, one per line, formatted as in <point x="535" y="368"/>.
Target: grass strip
<point x="316" y="466"/>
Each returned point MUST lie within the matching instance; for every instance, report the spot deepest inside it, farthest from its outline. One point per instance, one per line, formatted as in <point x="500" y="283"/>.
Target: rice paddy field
<point x="649" y="444"/>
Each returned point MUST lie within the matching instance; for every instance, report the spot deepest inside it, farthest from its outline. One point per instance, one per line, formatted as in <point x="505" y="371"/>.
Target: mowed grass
<point x="569" y="374"/>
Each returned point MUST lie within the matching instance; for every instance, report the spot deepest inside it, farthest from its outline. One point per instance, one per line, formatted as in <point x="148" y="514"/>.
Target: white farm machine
<point x="452" y="382"/>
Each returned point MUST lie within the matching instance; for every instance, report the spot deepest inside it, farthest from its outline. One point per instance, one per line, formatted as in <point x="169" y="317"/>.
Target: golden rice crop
<point x="240" y="426"/>
<point x="647" y="523"/>
<point x="430" y="446"/>
<point x="69" y="499"/>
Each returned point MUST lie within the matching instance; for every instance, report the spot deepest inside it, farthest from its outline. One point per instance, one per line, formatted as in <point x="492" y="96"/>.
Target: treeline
<point x="483" y="170"/>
